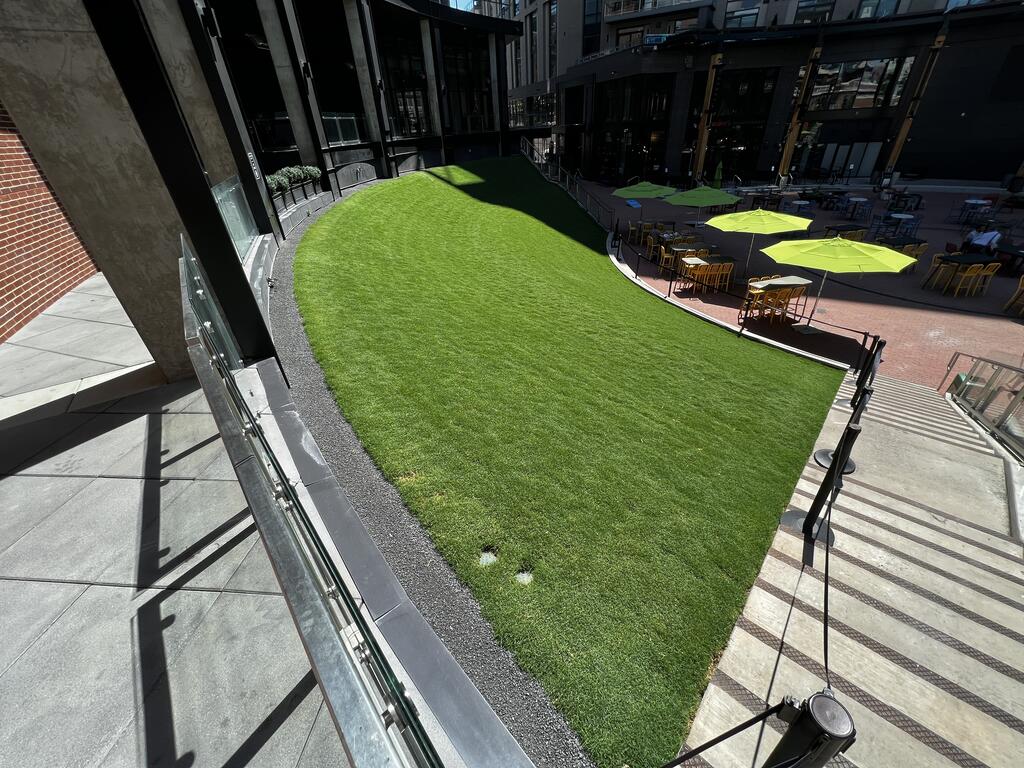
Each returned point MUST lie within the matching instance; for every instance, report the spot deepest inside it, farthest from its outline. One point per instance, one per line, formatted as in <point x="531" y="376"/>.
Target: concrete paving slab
<point x="43" y="323"/>
<point x="85" y="306"/>
<point x="188" y="442"/>
<point x="93" y="530"/>
<point x="255" y="574"/>
<point x="27" y="501"/>
<point x="180" y="397"/>
<point x="219" y="717"/>
<point x="323" y="748"/>
<point x="23" y="369"/>
<point x="82" y="678"/>
<point x="27" y="609"/>
<point x="91" y="448"/>
<point x="97" y="285"/>
<point x="116" y="344"/>
<point x="18" y="444"/>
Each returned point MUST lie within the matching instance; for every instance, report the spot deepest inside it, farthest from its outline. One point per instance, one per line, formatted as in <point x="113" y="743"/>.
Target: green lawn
<point x="524" y="396"/>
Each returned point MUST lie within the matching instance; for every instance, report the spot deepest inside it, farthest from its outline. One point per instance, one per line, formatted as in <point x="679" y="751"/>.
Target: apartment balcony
<point x="627" y="10"/>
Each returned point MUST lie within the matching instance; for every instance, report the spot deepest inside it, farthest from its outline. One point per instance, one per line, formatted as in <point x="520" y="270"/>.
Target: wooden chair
<point x="646" y="228"/>
<point x="633" y="236"/>
<point x="700" y="277"/>
<point x="712" y="277"/>
<point x="800" y="292"/>
<point x="726" y="275"/>
<point x="666" y="260"/>
<point x="1017" y="296"/>
<point x="938" y="270"/>
<point x="779" y="307"/>
<point x="968" y="280"/>
<point x="985" y="277"/>
<point x="649" y="246"/>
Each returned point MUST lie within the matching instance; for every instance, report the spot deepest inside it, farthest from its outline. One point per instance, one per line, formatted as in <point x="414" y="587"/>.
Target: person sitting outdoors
<point x="981" y="242"/>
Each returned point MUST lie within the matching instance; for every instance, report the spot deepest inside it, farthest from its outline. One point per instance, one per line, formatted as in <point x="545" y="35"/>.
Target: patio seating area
<point x="962" y="285"/>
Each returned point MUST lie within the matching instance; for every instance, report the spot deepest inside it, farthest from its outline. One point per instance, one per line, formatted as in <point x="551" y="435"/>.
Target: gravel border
<point x="445" y="602"/>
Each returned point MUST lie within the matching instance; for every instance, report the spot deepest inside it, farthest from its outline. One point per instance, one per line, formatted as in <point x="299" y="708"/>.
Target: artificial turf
<point x="524" y="397"/>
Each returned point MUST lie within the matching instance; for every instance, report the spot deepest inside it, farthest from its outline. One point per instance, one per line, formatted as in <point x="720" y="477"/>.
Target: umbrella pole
<point x="750" y="250"/>
<point x="807" y="327"/>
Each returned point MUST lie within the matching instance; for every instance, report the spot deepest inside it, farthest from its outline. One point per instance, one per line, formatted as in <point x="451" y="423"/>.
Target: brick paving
<point x="923" y="328"/>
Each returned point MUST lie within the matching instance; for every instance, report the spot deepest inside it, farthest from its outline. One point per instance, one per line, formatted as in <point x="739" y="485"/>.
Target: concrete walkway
<point x="141" y="621"/>
<point x="926" y="601"/>
<point x="84" y="334"/>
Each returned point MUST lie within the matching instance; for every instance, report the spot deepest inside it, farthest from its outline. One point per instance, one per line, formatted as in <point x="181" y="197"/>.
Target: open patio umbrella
<point x="701" y="197"/>
<point x="758" y="222"/>
<point x="644" y="189"/>
<point x="836" y="255"/>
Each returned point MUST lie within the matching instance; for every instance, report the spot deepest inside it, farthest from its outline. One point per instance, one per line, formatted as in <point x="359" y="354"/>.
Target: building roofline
<point x="444" y="13"/>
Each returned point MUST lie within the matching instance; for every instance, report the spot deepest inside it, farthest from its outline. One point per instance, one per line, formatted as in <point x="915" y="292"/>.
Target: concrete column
<point x="85" y="137"/>
<point x="367" y="87"/>
<point x="276" y="33"/>
<point x="677" y="124"/>
<point x="434" y="101"/>
<point x="494" y="53"/>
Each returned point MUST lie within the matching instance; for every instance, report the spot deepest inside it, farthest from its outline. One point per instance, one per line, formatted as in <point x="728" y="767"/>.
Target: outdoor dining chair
<point x="633" y="236"/>
<point x="968" y="280"/>
<point x="985" y="277"/>
<point x="666" y="260"/>
<point x="1018" y="295"/>
<point x="939" y="269"/>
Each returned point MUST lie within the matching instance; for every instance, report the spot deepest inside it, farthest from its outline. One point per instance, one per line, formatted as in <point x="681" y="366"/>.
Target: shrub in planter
<point x="294" y="174"/>
<point x="277" y="182"/>
<point x="311" y="172"/>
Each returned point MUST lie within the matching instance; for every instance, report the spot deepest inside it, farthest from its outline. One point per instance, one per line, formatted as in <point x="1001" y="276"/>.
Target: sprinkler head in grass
<point x="488" y="556"/>
<point x="524" y="577"/>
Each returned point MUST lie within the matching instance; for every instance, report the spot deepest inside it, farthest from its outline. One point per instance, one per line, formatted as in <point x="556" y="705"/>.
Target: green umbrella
<point x="701" y="197"/>
<point x="837" y="255"/>
<point x="758" y="222"/>
<point x="644" y="189"/>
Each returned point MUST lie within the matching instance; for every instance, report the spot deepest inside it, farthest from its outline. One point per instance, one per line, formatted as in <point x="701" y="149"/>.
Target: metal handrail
<point x="605" y="217"/>
<point x="977" y="358"/>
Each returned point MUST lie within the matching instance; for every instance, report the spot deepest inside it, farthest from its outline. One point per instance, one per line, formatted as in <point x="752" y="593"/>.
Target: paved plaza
<point x="142" y="621"/>
<point x="923" y="327"/>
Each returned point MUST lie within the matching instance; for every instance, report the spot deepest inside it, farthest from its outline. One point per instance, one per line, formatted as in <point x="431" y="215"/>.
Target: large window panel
<point x="531" y="48"/>
<point x="859" y="84"/>
<point x="813" y="11"/>
<point x="468" y="80"/>
<point x="552" y="38"/>
<point x="741" y="14"/>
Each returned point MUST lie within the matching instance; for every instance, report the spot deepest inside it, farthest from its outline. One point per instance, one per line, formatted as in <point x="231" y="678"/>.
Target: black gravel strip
<point x="445" y="602"/>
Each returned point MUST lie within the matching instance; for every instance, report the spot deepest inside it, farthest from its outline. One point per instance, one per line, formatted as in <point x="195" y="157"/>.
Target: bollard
<point x="842" y="455"/>
<point x="819" y="729"/>
<point x="823" y="458"/>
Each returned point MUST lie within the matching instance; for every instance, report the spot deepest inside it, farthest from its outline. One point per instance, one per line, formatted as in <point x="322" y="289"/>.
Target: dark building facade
<point x="820" y="89"/>
<point x="217" y="125"/>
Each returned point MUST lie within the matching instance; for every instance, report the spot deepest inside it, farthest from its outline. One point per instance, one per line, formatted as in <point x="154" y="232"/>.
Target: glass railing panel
<point x="234" y="210"/>
<point x="408" y="740"/>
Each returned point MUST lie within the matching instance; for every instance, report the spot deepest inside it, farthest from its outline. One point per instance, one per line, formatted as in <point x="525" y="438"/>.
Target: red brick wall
<point x="41" y="257"/>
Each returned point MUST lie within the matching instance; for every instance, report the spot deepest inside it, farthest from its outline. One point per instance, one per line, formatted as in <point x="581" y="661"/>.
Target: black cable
<point x="827" y="525"/>
<point x="723" y="736"/>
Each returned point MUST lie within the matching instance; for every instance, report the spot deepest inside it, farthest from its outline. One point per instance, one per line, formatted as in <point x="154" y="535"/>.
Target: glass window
<point x="813" y="11"/>
<point x="407" y="81"/>
<point x="627" y="38"/>
<point x="531" y="49"/>
<point x="591" y="26"/>
<point x="515" y="8"/>
<point x="876" y="9"/>
<point x="740" y="14"/>
<point x="552" y="38"/>
<point x="517" y="62"/>
<point x="859" y="84"/>
<point x="467" y="76"/>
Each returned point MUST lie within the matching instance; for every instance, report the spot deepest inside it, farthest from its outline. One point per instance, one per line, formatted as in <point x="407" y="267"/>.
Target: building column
<point x="206" y="41"/>
<point x="431" y="66"/>
<point x="795" y="120"/>
<point x="359" y="20"/>
<point x="677" y="128"/>
<point x="915" y="99"/>
<point x="495" y="61"/>
<point x="703" y="129"/>
<point x="277" y="34"/>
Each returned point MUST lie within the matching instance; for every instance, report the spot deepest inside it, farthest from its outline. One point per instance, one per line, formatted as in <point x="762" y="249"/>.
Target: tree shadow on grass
<point x="513" y="183"/>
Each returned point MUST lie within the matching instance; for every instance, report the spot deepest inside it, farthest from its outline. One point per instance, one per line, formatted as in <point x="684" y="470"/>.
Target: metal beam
<point x="705" y="117"/>
<point x="799" y="108"/>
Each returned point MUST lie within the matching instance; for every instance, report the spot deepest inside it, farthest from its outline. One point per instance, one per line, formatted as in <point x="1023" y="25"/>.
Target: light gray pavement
<point x="141" y="621"/>
<point x="926" y="601"/>
<point x="83" y="334"/>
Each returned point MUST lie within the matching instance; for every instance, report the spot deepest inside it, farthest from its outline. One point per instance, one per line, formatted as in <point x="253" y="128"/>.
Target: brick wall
<point x="41" y="257"/>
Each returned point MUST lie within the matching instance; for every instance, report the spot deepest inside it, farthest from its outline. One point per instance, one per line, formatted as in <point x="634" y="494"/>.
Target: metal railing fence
<point x="992" y="393"/>
<point x="571" y="183"/>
